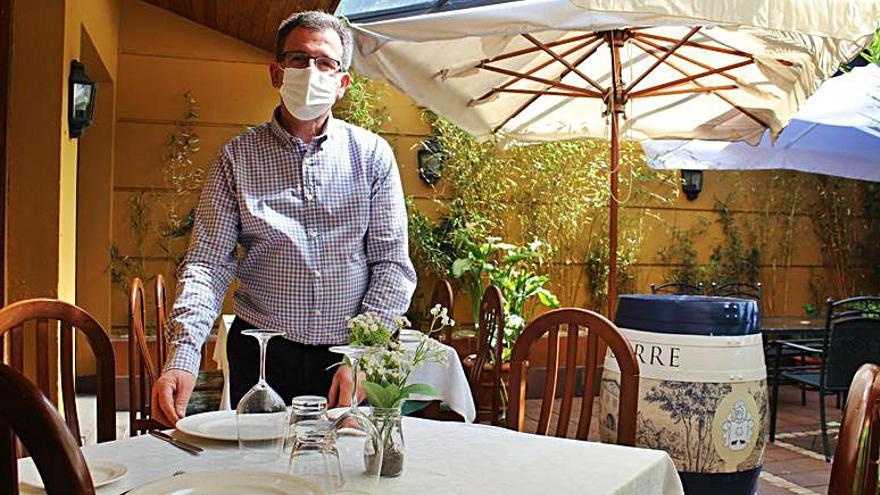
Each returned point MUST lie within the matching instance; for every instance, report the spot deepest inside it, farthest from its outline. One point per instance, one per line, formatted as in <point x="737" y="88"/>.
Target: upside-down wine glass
<point x="261" y="416"/>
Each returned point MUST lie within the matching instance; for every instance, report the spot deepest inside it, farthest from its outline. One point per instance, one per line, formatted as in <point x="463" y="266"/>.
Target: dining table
<point x="441" y="457"/>
<point x="447" y="379"/>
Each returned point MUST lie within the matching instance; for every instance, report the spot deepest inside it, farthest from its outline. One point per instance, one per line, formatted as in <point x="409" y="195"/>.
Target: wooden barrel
<point x="703" y="387"/>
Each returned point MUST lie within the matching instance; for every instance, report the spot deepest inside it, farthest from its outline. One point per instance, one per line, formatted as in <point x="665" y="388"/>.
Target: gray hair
<point x="317" y="21"/>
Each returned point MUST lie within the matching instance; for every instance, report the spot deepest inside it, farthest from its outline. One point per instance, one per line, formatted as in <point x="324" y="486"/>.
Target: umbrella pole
<point x="612" y="218"/>
<point x="615" y="106"/>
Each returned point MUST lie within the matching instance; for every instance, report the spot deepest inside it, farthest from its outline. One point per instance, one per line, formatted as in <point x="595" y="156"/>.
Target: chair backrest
<point x="161" y="315"/>
<point x="851" y="340"/>
<point x="597" y="328"/>
<point x="51" y="314"/>
<point x="854" y="470"/>
<point x="142" y="370"/>
<point x="443" y="296"/>
<point x="27" y="414"/>
<point x="489" y="349"/>
<point x="745" y="290"/>
<point x="679" y="288"/>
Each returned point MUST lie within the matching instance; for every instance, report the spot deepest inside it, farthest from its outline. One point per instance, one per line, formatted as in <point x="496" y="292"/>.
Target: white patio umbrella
<point x="837" y="132"/>
<point x="543" y="70"/>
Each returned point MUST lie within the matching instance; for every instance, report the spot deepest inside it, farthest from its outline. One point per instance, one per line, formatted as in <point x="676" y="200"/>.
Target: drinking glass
<point x="303" y="408"/>
<point x="356" y="438"/>
<point x="261" y="415"/>
<point x="314" y="456"/>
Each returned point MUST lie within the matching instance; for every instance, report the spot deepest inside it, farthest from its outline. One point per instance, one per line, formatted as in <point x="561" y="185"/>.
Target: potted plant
<point x="386" y="366"/>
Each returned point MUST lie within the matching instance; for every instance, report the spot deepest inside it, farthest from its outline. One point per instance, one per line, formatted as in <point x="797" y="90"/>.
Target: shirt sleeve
<point x="207" y="269"/>
<point x="392" y="276"/>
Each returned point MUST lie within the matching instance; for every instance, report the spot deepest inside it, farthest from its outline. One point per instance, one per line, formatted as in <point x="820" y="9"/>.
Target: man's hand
<point x="171" y="394"/>
<point x="340" y="388"/>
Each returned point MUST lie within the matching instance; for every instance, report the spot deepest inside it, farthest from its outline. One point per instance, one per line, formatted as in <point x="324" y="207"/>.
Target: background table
<point x="448" y="380"/>
<point x="441" y="457"/>
<point x="773" y="326"/>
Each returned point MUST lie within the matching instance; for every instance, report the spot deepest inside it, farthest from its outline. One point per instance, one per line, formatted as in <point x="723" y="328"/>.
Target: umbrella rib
<point x="709" y="47"/>
<point x="533" y="70"/>
<point x="636" y="39"/>
<point x="531" y="100"/>
<point x="700" y="89"/>
<point x="541" y="80"/>
<point x="691" y="78"/>
<point x="719" y="95"/>
<point x="662" y="59"/>
<point x="525" y="51"/>
<point x="562" y="61"/>
<point x="546" y="93"/>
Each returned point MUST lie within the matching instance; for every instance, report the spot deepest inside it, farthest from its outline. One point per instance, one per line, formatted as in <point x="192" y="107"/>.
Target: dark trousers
<point x="291" y="368"/>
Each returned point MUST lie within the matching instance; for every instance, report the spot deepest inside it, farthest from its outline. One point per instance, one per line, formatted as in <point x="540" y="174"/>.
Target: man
<point x="317" y="207"/>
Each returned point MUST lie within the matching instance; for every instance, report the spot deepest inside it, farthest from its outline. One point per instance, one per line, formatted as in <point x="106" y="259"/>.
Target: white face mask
<point x="308" y="93"/>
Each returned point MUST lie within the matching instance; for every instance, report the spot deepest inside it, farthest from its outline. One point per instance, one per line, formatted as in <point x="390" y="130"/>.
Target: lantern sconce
<point x="431" y="162"/>
<point x="80" y="99"/>
<point x="691" y="183"/>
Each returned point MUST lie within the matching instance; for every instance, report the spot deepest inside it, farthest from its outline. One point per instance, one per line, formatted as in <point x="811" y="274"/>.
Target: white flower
<point x="515" y="321"/>
<point x="535" y="245"/>
<point x="402" y="322"/>
<point x="436" y="310"/>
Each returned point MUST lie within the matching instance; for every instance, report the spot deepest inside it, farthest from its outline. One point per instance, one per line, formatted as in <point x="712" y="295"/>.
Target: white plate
<point x="102" y="473"/>
<point x="221" y="425"/>
<point x="229" y="482"/>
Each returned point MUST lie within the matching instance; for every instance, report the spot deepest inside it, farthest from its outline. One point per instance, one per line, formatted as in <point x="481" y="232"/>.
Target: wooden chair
<point x="15" y="319"/>
<point x="488" y="357"/>
<point x="161" y="317"/>
<point x="679" y="288"/>
<point x="854" y="471"/>
<point x="598" y="327"/>
<point x="443" y="296"/>
<point x="142" y="370"/>
<point x="27" y="414"/>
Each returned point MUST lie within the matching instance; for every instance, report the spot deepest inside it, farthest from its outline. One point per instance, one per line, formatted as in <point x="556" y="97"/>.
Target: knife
<point x="180" y="444"/>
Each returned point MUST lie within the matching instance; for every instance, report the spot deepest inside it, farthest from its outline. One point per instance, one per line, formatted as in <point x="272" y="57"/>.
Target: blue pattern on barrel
<point x="696" y="315"/>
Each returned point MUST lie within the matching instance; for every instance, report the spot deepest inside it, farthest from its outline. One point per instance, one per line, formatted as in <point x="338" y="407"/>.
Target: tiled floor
<point x="788" y="469"/>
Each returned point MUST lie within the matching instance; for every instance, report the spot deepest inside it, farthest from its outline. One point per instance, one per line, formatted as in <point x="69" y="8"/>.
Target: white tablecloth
<point x="448" y="380"/>
<point x="443" y="458"/>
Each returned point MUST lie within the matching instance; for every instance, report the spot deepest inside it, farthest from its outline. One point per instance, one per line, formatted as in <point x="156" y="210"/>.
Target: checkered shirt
<point x="323" y="235"/>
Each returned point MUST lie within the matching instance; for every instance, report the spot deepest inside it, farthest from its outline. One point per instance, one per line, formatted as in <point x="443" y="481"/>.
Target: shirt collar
<point x="331" y="127"/>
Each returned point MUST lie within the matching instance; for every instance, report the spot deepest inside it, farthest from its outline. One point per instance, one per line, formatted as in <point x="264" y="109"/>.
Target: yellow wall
<point x="42" y="159"/>
<point x="161" y="57"/>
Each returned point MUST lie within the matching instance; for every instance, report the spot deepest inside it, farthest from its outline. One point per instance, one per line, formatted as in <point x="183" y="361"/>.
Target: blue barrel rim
<point x="688" y="315"/>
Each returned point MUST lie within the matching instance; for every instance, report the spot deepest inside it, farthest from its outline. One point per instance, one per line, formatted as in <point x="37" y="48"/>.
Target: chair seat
<point x="810" y="379"/>
<point x="805" y="378"/>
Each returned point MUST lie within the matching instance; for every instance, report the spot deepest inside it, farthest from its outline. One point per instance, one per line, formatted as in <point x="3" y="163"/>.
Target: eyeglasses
<point x="301" y="60"/>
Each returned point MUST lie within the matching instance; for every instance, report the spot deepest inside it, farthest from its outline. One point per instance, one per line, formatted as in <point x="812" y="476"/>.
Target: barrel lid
<point x="684" y="314"/>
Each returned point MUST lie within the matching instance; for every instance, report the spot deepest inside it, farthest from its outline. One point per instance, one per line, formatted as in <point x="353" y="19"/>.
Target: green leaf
<point x="393" y="392"/>
<point x="377" y="395"/>
<point x="547" y="298"/>
<point x="460" y="266"/>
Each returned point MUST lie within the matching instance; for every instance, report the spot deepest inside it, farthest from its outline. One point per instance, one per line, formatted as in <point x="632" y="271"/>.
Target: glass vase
<point x="393" y="451"/>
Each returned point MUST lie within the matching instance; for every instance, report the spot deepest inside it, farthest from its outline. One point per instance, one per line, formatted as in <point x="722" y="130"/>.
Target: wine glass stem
<point x="263" y="342"/>
<point x="355" y="368"/>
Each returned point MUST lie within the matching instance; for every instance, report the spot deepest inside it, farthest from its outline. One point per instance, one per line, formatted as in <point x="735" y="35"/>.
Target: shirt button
<point x="318" y="312"/>
<point x="309" y="196"/>
<point x="313" y="234"/>
<point x="318" y="273"/>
